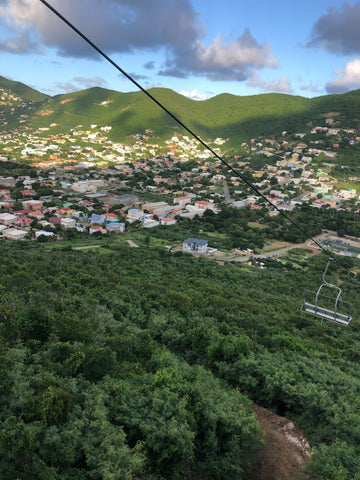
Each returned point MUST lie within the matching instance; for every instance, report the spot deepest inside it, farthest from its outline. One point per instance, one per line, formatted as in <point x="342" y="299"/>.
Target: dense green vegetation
<point x="22" y="90"/>
<point x="128" y="363"/>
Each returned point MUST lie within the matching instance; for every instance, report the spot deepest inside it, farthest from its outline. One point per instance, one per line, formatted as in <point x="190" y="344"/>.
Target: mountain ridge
<point x="237" y="118"/>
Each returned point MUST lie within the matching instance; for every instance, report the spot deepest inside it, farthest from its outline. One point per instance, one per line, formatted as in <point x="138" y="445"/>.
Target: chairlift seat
<point x="326" y="314"/>
<point x="340" y="311"/>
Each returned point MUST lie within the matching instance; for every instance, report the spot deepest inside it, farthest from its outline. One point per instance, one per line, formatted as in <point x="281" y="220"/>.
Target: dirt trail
<point x="285" y="450"/>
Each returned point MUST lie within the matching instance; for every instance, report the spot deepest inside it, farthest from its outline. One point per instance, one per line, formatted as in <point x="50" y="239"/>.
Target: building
<point x="68" y="222"/>
<point x="134" y="214"/>
<point x="168" y="221"/>
<point x="14" y="234"/>
<point x="193" y="245"/>
<point x="7" y="218"/>
<point x="115" y="227"/>
<point x="43" y="232"/>
<point x="96" y="229"/>
<point x="33" y="204"/>
<point x="94" y="218"/>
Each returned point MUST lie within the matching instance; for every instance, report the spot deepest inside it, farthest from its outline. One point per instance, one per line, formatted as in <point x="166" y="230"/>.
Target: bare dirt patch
<point x="44" y="113"/>
<point x="330" y="114"/>
<point x="66" y="100"/>
<point x="286" y="450"/>
<point x="276" y="245"/>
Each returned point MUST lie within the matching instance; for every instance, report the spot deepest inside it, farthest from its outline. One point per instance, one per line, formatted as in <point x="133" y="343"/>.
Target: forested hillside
<point x="132" y="363"/>
<point x="228" y="116"/>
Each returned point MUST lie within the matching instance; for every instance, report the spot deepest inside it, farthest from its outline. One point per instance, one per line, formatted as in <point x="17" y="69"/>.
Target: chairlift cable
<point x="185" y="127"/>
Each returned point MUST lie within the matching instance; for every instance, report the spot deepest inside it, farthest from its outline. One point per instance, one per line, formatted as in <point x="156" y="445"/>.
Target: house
<point x="149" y="223"/>
<point x="96" y="228"/>
<point x="182" y="201"/>
<point x="110" y="217"/>
<point x="115" y="227"/>
<point x="64" y="212"/>
<point x="28" y="193"/>
<point x="33" y="204"/>
<point x="193" y="245"/>
<point x="94" y="218"/>
<point x="37" y="214"/>
<point x="55" y="220"/>
<point x="7" y="181"/>
<point x="167" y="221"/>
<point x="68" y="222"/>
<point x="44" y="232"/>
<point x="24" y="221"/>
<point x="14" y="234"/>
<point x="7" y="218"/>
<point x="4" y="192"/>
<point x="134" y="214"/>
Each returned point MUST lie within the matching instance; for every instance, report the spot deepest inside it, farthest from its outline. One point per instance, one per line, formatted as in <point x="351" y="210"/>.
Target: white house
<point x="44" y="232"/>
<point x="168" y="221"/>
<point x="7" y="218"/>
<point x="115" y="227"/>
<point x="134" y="214"/>
<point x="68" y="222"/>
<point x="15" y="234"/>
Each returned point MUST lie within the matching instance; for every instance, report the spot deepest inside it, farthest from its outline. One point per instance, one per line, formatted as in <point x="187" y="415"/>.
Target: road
<point x="226" y="193"/>
<point x="132" y="244"/>
<point x="309" y="245"/>
<point x="86" y="246"/>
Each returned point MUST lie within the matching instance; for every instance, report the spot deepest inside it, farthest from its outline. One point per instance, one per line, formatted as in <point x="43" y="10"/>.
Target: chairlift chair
<point x="339" y="311"/>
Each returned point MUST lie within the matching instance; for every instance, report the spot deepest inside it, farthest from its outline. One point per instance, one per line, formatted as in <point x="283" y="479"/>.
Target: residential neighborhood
<point x="83" y="181"/>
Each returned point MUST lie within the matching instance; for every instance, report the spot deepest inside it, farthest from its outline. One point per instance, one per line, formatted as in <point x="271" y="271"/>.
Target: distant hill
<point x="228" y="116"/>
<point x="22" y="90"/>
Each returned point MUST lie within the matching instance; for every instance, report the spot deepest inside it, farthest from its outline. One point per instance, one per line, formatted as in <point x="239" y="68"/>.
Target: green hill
<point x="228" y="116"/>
<point x="22" y="90"/>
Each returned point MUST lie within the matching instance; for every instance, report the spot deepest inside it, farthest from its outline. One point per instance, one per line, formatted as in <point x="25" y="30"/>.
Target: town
<point x="82" y="181"/>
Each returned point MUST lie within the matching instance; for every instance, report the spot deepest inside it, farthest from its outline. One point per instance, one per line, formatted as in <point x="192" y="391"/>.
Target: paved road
<point x="226" y="193"/>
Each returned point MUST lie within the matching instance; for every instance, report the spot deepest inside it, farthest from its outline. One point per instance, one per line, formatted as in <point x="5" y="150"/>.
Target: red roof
<point x="23" y="220"/>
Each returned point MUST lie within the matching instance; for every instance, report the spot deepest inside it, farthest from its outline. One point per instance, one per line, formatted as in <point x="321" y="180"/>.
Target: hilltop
<point x="228" y="116"/>
<point x="22" y="90"/>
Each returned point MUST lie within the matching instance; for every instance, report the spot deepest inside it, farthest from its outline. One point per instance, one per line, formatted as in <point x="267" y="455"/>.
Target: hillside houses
<point x="94" y="179"/>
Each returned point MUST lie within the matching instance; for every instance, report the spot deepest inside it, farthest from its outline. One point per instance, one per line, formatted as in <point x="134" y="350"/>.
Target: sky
<point x="199" y="48"/>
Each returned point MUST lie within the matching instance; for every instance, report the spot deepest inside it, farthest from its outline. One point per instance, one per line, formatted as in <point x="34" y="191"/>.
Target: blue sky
<point x="196" y="47"/>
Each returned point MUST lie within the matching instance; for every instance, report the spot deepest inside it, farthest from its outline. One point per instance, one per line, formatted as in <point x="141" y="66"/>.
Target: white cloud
<point x="221" y="60"/>
<point x="194" y="94"/>
<point x="90" y="82"/>
<point x="243" y="52"/>
<point x="66" y="87"/>
<point x="348" y="78"/>
<point x="311" y="87"/>
<point x="282" y="85"/>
